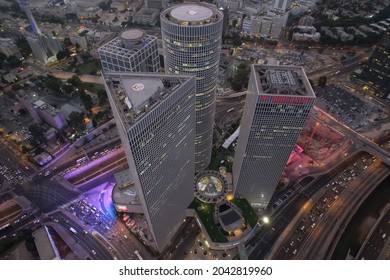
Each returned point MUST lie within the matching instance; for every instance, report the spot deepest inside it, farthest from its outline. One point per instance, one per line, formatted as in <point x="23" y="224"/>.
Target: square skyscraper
<point x="277" y="105"/>
<point x="132" y="51"/>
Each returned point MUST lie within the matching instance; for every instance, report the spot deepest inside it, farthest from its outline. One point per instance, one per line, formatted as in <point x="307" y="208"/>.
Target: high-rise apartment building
<point x="155" y="117"/>
<point x="376" y="72"/>
<point x="277" y="105"/>
<point x="191" y="37"/>
<point x="131" y="51"/>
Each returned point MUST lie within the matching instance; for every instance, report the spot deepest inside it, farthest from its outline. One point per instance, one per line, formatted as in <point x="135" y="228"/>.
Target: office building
<point x="157" y="4"/>
<point x="282" y="5"/>
<point x="41" y="53"/>
<point x="191" y="37"/>
<point x="155" y="117"/>
<point x="306" y="21"/>
<point x="277" y="104"/>
<point x="376" y="72"/>
<point x="44" y="47"/>
<point x="40" y="110"/>
<point x="147" y="16"/>
<point x="131" y="51"/>
<point x="266" y="24"/>
<point x="25" y="6"/>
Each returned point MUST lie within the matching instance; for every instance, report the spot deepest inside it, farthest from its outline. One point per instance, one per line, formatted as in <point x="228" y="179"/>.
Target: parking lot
<point x="349" y="108"/>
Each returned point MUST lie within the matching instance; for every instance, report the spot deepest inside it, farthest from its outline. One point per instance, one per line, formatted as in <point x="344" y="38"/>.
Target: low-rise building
<point x="40" y="110"/>
<point x="8" y="47"/>
<point x="306" y="33"/>
<point x="146" y="16"/>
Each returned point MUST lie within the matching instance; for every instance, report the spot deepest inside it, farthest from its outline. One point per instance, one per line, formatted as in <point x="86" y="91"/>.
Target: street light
<point x="266" y="220"/>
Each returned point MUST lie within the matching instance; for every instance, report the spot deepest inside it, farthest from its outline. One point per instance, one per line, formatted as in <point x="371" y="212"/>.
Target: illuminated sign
<point x="121" y="208"/>
<point x="286" y="99"/>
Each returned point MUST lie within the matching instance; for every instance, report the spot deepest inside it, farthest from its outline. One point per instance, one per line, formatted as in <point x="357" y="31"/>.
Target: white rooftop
<point x="140" y="90"/>
<point x="191" y="13"/>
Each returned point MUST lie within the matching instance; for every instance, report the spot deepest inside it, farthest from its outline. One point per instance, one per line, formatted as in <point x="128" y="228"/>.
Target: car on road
<point x="93" y="252"/>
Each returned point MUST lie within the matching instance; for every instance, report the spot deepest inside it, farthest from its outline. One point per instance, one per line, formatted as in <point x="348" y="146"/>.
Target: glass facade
<point x="271" y="124"/>
<point x="192" y="46"/>
<point x="115" y="57"/>
<point x="155" y="116"/>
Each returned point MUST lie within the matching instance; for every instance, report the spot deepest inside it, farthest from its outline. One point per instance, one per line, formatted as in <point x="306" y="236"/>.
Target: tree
<point x="86" y="99"/>
<point x="76" y="122"/>
<point x="63" y="54"/>
<point x="60" y="55"/>
<point x="322" y="81"/>
<point x="237" y="40"/>
<point x="67" y="42"/>
<point x="13" y="62"/>
<point x="74" y="81"/>
<point x="104" y="5"/>
<point x="36" y="131"/>
<point x="67" y="88"/>
<point x="53" y="83"/>
<point x="241" y="78"/>
<point x="3" y="59"/>
<point x="102" y="96"/>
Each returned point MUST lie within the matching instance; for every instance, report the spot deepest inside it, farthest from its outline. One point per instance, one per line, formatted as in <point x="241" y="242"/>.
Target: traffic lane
<point x="13" y="162"/>
<point x="289" y="211"/>
<point x="46" y="194"/>
<point x="304" y="229"/>
<point x="103" y="225"/>
<point x="87" y="240"/>
<point x="376" y="242"/>
<point x="333" y="217"/>
<point x="183" y="241"/>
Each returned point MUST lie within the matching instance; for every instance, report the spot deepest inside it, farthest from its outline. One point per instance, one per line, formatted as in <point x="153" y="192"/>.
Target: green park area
<point x="205" y="212"/>
<point x="89" y="68"/>
<point x="247" y="210"/>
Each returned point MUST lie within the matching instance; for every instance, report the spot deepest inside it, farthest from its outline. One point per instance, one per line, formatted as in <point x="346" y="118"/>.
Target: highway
<point x="360" y="140"/>
<point x="376" y="241"/>
<point x="260" y="246"/>
<point x="319" y="243"/>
